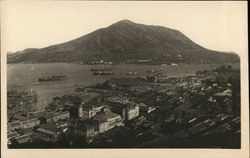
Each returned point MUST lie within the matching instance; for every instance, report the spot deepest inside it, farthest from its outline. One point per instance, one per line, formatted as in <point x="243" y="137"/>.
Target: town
<point x="148" y="110"/>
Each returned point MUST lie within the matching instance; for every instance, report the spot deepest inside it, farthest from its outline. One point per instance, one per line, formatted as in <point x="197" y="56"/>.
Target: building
<point x="30" y="123"/>
<point x="87" y="111"/>
<point x="14" y="125"/>
<point x="48" y="132"/>
<point x="26" y="131"/>
<point x="127" y="111"/>
<point x="11" y="136"/>
<point x="144" y="60"/>
<point x="62" y="125"/>
<point x="226" y="93"/>
<point x="132" y="111"/>
<point x="61" y="115"/>
<point x="101" y="122"/>
<point x="200" y="127"/>
<point x="46" y="117"/>
<point x="87" y="129"/>
<point x="23" y="139"/>
<point x="107" y="120"/>
<point x="120" y="100"/>
<point x="146" y="109"/>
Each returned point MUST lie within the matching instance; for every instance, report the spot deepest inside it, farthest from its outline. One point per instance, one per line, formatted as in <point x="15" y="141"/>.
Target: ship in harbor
<point x="103" y="73"/>
<point x="100" y="69"/>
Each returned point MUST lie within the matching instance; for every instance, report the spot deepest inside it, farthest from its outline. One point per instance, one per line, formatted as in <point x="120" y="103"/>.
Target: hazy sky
<point x="218" y="26"/>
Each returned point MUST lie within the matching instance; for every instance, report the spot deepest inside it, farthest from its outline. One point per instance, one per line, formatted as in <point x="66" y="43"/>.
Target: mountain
<point x="128" y="42"/>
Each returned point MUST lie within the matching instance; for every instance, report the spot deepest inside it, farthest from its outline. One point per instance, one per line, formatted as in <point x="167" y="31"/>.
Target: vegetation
<point x="126" y="42"/>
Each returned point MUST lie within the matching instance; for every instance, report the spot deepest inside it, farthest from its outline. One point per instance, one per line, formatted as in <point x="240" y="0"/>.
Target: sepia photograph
<point x="167" y="76"/>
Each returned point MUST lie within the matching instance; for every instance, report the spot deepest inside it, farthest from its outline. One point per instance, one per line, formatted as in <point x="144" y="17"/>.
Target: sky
<point x="220" y="25"/>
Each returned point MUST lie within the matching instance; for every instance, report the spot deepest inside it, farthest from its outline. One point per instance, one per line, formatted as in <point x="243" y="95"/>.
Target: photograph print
<point x="85" y="75"/>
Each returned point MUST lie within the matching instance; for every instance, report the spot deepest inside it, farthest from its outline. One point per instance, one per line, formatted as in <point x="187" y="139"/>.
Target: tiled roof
<point x="46" y="131"/>
<point x="30" y="120"/>
<point x="12" y="135"/>
<point x="26" y="130"/>
<point x="49" y="127"/>
<point x="22" y="137"/>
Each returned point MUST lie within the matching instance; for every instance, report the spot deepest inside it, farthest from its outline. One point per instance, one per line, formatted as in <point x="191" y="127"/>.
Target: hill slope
<point x="128" y="42"/>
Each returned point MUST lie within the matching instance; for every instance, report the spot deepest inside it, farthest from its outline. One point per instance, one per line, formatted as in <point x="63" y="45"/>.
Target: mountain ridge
<point x="126" y="42"/>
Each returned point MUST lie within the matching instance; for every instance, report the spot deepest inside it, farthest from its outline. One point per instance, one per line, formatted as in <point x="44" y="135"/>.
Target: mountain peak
<point x="123" y="22"/>
<point x="126" y="41"/>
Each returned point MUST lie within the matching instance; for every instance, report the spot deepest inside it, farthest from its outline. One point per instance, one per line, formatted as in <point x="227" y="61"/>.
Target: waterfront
<point x="26" y="75"/>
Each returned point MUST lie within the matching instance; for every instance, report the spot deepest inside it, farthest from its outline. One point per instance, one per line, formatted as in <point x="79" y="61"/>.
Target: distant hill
<point x="126" y="42"/>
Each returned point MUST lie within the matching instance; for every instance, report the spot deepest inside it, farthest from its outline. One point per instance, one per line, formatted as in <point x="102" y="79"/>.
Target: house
<point x="221" y="129"/>
<point x="48" y="132"/>
<point x="200" y="127"/>
<point x="180" y="134"/>
<point x="226" y="93"/>
<point x="61" y="115"/>
<point x="14" y="125"/>
<point x="26" y="131"/>
<point x="19" y="117"/>
<point x="23" y="139"/>
<point x="53" y="116"/>
<point x="221" y="118"/>
<point x="38" y="114"/>
<point x="11" y="136"/>
<point x="43" y="116"/>
<point x="30" y="123"/>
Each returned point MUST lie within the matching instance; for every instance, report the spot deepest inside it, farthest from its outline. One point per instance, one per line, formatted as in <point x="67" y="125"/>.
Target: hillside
<point x="126" y="42"/>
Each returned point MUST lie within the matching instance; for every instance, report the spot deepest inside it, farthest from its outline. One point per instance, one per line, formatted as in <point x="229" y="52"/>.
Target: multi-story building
<point x="101" y="122"/>
<point x="87" y="111"/>
<point x="107" y="120"/>
<point x="127" y="111"/>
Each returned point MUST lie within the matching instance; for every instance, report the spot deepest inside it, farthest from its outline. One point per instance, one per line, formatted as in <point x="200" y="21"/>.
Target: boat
<point x="103" y="73"/>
